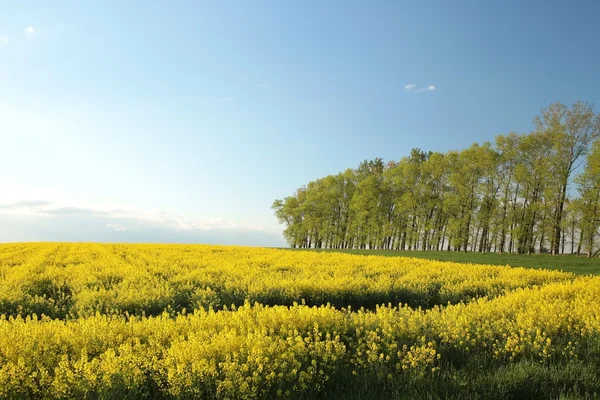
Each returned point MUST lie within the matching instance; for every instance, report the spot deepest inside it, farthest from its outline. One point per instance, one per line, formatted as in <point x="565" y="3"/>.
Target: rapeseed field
<point x="192" y="321"/>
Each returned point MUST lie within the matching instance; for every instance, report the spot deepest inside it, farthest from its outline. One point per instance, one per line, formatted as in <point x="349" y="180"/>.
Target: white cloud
<point x="30" y="30"/>
<point x="120" y="219"/>
<point x="409" y="87"/>
<point x="265" y="85"/>
<point x="4" y="39"/>
<point x="427" y="89"/>
<point x="35" y="213"/>
<point x="117" y="227"/>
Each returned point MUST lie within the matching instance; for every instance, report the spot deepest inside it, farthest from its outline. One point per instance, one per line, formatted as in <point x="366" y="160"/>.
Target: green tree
<point x="589" y="189"/>
<point x="509" y="196"/>
<point x="570" y="131"/>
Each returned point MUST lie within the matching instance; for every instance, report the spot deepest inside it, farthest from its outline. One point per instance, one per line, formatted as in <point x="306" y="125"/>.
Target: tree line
<point x="537" y="192"/>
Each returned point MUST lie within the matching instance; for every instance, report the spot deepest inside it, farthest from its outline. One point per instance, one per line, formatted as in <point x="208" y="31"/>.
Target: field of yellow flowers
<point x="189" y="321"/>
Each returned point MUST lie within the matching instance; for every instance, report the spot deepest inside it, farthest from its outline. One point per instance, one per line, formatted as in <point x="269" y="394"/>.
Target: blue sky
<point x="183" y="121"/>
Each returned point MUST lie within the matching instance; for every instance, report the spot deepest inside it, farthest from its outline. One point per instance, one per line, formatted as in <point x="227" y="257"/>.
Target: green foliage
<point x="510" y="196"/>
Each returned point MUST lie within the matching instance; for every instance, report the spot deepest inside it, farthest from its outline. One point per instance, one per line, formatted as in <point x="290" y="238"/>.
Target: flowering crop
<point x="95" y="342"/>
<point x="61" y="280"/>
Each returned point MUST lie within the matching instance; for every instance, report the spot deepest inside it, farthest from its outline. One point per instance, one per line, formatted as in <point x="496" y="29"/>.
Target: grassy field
<point x="569" y="263"/>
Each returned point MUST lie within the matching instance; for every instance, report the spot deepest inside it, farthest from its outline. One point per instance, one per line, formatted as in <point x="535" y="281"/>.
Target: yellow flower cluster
<point x="256" y="350"/>
<point x="61" y="280"/>
<point x="249" y="352"/>
<point x="546" y="322"/>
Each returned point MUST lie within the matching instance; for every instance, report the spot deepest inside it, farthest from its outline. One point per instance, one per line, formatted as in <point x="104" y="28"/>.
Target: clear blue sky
<point x="183" y="121"/>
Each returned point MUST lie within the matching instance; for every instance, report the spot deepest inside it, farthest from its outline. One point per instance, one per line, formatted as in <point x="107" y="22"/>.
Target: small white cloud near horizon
<point x="122" y="219"/>
<point x="4" y="39"/>
<point x="43" y="220"/>
<point x="117" y="227"/>
<point x="30" y="30"/>
<point x="409" y="87"/>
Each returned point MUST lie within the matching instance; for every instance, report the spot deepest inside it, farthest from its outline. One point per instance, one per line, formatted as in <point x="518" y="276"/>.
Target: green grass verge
<point x="569" y="263"/>
<point x="525" y="379"/>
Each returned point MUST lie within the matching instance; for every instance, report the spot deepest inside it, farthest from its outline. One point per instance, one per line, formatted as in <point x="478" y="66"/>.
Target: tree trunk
<point x="558" y="218"/>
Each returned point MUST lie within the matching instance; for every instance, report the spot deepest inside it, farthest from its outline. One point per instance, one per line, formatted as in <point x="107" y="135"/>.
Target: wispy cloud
<point x="30" y="30"/>
<point x="24" y="204"/>
<point x="411" y="87"/>
<point x="119" y="218"/>
<point x="265" y="85"/>
<point x="40" y="220"/>
<point x="69" y="211"/>
<point x="427" y="89"/>
<point x="4" y="39"/>
<point x="117" y="227"/>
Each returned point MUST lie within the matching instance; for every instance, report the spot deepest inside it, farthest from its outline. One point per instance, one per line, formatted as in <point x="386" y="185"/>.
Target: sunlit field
<point x="581" y="265"/>
<point x="193" y="321"/>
